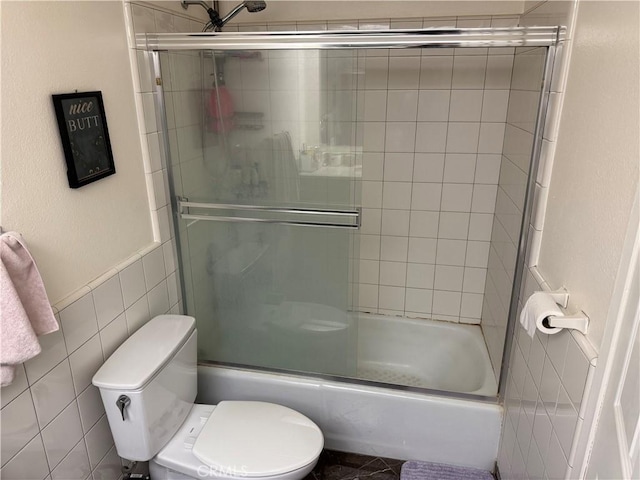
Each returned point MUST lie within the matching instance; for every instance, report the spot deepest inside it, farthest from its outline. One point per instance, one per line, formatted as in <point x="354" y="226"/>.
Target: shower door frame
<point x="534" y="37"/>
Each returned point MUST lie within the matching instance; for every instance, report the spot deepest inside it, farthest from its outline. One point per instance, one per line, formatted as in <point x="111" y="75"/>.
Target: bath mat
<point x="438" y="471"/>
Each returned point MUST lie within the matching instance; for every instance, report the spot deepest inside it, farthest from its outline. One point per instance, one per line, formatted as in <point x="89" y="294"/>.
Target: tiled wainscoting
<point x="548" y="379"/>
<point x="53" y="422"/>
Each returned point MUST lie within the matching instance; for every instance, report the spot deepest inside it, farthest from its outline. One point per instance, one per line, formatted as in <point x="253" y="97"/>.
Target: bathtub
<point x="404" y="423"/>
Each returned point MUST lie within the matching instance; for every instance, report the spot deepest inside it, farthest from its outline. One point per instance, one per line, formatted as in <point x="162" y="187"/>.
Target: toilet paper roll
<point x="539" y="306"/>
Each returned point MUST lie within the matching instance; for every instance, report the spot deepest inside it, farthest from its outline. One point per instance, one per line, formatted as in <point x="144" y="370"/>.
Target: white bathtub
<point x="386" y="422"/>
<point x="424" y="353"/>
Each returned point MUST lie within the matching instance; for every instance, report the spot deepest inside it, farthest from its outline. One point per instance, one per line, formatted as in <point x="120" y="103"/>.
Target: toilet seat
<point x="240" y="439"/>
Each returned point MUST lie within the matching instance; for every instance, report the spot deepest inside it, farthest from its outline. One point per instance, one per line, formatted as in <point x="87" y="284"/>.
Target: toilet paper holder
<point x="578" y="321"/>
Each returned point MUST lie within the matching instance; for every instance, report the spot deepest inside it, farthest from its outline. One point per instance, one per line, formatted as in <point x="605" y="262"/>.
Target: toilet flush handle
<point x="122" y="403"/>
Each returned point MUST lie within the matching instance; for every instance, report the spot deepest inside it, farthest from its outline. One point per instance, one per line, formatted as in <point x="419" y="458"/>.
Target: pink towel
<point x="25" y="311"/>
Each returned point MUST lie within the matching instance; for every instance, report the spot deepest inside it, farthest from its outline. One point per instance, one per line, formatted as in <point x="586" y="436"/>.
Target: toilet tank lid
<point x="140" y="357"/>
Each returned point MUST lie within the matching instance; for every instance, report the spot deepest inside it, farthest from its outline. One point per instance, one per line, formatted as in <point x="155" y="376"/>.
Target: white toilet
<point x="148" y="387"/>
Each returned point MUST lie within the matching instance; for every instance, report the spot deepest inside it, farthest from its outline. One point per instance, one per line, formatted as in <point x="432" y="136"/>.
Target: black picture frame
<point x="85" y="137"/>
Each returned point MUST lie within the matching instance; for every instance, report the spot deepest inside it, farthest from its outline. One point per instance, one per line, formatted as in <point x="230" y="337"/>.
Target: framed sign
<point x="85" y="137"/>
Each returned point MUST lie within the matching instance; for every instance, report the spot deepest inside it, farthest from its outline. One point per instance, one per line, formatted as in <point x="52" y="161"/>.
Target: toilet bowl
<point x="148" y="387"/>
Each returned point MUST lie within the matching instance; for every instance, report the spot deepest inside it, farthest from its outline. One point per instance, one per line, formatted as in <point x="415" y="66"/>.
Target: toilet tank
<point x="155" y="369"/>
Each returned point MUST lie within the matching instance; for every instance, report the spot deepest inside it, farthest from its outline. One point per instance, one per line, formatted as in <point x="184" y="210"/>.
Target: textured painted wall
<point x="595" y="173"/>
<point x="75" y="235"/>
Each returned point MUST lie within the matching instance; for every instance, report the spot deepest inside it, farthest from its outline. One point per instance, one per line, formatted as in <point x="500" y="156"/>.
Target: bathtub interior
<point x="372" y="304"/>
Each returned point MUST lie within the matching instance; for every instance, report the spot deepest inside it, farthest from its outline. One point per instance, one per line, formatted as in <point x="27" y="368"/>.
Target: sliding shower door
<point x="263" y="175"/>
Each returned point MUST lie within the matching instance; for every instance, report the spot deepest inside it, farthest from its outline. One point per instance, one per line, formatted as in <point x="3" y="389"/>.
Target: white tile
<point x="423" y="224"/>
<point x="371" y="221"/>
<point x="372" y="194"/>
<point x="448" y="278"/>
<point x="113" y="335"/>
<point x="451" y="252"/>
<point x="426" y="196"/>
<point x="132" y="283"/>
<point x="173" y="288"/>
<point x="491" y="137"/>
<point x="462" y="137"/>
<point x="422" y="250"/>
<point x="564" y="421"/>
<point x="498" y="72"/>
<point x="471" y="305"/>
<point x="19" y="385"/>
<point x="488" y="168"/>
<point x="468" y="72"/>
<point x="170" y="256"/>
<point x="398" y="167"/>
<point x="556" y="463"/>
<point x="418" y="300"/>
<point x="433" y="105"/>
<point x="85" y="362"/>
<point x="75" y="466"/>
<point x="369" y="271"/>
<point x="428" y="167"/>
<point x="477" y="254"/>
<point x="402" y="106"/>
<point x="158" y="299"/>
<point x="375" y="106"/>
<point x="107" y="298"/>
<point x="484" y="198"/>
<point x="99" y="441"/>
<point x="91" y="407"/>
<point x="446" y="303"/>
<point x="459" y="167"/>
<point x="480" y="226"/>
<point x="19" y="425"/>
<point x="373" y="136"/>
<point x="574" y="373"/>
<point x="372" y="166"/>
<point x="391" y="298"/>
<point x="155" y="157"/>
<point x="396" y="195"/>
<point x="466" y="106"/>
<point x="393" y="249"/>
<point x="404" y="73"/>
<point x="29" y="464"/>
<point x="153" y="267"/>
<point x="376" y="73"/>
<point x="137" y="315"/>
<point x="79" y="322"/>
<point x="456" y="197"/>
<point x="395" y="222"/>
<point x="494" y="105"/>
<point x="431" y="137"/>
<point x="474" y="280"/>
<point x="149" y="110"/>
<point x="549" y="386"/>
<point x="368" y="296"/>
<point x="109" y="468"/>
<point x="143" y="19"/>
<point x="62" y="434"/>
<point x="393" y="273"/>
<point x="53" y="352"/>
<point x="420" y="275"/>
<point x="52" y="393"/>
<point x="436" y="72"/>
<point x="370" y="247"/>
<point x="400" y="136"/>
<point x="453" y="225"/>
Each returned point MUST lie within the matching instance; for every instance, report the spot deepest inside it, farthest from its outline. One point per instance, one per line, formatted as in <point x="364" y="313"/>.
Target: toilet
<point x="148" y="387"/>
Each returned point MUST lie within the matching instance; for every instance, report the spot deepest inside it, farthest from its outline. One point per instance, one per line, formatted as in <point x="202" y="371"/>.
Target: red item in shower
<point x="221" y="110"/>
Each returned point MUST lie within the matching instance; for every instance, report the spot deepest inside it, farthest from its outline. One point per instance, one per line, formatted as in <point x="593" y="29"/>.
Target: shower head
<point x="216" y="22"/>
<point x="251" y="6"/>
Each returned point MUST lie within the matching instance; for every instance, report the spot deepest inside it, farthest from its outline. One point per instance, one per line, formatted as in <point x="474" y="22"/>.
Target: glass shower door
<point x="264" y="174"/>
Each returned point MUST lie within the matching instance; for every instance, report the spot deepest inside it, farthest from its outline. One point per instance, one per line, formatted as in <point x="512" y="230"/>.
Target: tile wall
<point x="514" y="173"/>
<point x="430" y="127"/>
<point x="53" y="422"/>
<point x="549" y="375"/>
